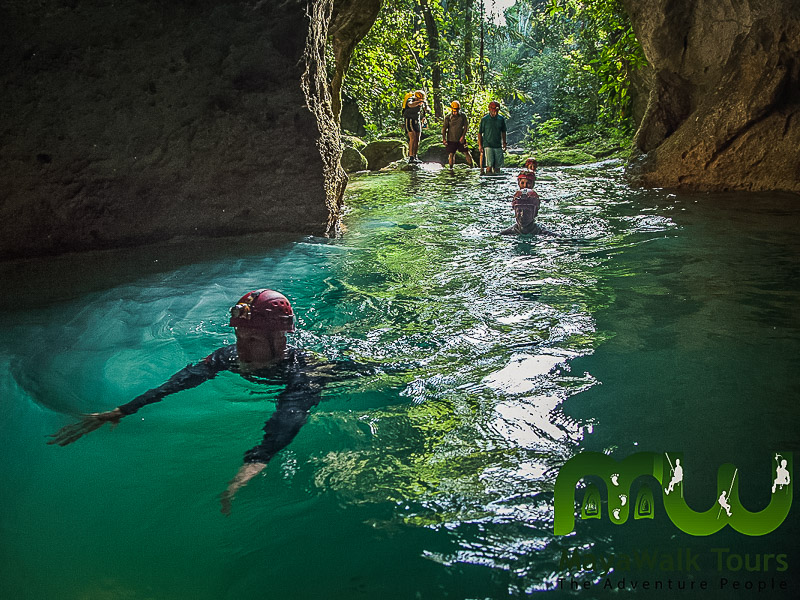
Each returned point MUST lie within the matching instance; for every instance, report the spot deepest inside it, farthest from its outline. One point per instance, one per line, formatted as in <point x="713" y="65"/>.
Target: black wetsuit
<point x="532" y="229"/>
<point x="303" y="376"/>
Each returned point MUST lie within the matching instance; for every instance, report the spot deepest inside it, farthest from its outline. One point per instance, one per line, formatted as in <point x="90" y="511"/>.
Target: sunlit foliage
<point x="561" y="68"/>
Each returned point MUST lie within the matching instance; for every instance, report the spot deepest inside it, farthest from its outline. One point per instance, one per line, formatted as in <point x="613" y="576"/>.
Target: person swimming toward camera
<point x="526" y="204"/>
<point x="260" y="319"/>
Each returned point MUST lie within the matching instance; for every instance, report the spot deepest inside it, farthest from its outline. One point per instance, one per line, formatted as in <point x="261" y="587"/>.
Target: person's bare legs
<point x="416" y="135"/>
<point x="411" y="135"/>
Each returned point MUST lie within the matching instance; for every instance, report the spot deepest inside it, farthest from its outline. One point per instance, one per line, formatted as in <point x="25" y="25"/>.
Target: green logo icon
<point x="667" y="471"/>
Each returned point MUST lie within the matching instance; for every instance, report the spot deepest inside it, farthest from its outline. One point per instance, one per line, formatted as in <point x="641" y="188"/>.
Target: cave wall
<point x="137" y="121"/>
<point x="350" y="22"/>
<point x="724" y="105"/>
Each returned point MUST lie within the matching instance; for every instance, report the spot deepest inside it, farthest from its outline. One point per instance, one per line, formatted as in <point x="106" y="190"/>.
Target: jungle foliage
<point x="561" y="69"/>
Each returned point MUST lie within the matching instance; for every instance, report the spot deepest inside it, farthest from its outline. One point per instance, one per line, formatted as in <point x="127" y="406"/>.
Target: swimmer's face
<point x="259" y="346"/>
<point x="525" y="215"/>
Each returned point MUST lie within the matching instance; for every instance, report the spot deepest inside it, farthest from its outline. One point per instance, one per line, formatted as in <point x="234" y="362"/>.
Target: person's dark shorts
<point x="413" y="125"/>
<point x="453" y="147"/>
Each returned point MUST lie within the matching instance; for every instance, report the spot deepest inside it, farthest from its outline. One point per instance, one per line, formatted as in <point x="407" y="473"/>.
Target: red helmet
<point x="531" y="164"/>
<point x="494" y="104"/>
<point x="526" y="198"/>
<point x="263" y="309"/>
<point x="526" y="179"/>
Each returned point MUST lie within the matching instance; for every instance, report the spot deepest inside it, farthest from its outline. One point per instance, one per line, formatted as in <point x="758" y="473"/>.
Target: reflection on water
<point x="655" y="322"/>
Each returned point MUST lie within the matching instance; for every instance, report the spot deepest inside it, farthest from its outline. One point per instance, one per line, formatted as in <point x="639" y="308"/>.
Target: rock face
<point x="352" y="20"/>
<point x="351" y="119"/>
<point x="136" y="121"/>
<point x="724" y="106"/>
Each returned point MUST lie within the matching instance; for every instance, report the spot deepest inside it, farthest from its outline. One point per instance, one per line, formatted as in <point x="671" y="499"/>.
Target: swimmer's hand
<point x="87" y="424"/>
<point x="246" y="472"/>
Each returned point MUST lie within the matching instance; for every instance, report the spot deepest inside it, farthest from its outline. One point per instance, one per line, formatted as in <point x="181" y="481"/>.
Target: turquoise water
<point x="657" y="322"/>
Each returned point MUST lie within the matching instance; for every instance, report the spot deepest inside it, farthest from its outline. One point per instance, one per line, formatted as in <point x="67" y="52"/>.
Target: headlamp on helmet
<point x="263" y="309"/>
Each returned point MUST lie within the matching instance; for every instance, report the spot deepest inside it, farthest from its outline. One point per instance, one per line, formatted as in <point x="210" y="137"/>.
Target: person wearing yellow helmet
<point x="414" y="109"/>
<point x="454" y="133"/>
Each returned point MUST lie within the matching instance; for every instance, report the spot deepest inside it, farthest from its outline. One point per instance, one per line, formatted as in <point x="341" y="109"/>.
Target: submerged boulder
<point x="438" y="153"/>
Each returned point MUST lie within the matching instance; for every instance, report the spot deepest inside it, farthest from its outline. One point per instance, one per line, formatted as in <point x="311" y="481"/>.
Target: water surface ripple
<point x="653" y="322"/>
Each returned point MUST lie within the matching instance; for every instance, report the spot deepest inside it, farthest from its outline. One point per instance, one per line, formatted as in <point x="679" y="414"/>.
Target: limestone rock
<point x="382" y="152"/>
<point x="351" y="141"/>
<point x="353" y="160"/>
<point x="132" y="122"/>
<point x="351" y="118"/>
<point x="724" y="105"/>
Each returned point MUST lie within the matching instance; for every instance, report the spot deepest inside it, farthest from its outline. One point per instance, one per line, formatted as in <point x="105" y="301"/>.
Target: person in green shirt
<point x="492" y="139"/>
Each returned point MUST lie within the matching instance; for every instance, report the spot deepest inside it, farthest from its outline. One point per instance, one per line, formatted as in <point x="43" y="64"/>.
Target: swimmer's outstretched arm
<point x="302" y="393"/>
<point x="246" y="472"/>
<point x="187" y="378"/>
<point x="87" y="424"/>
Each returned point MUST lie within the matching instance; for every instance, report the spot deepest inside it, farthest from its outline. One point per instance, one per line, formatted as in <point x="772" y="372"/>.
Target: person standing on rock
<point x="261" y="319"/>
<point x="492" y="139"/>
<point x="414" y="109"/>
<point x="454" y="134"/>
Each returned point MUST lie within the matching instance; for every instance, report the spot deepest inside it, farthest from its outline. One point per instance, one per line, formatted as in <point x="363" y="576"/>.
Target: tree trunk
<point x="481" y="61"/>
<point x="433" y="56"/>
<point x="468" y="41"/>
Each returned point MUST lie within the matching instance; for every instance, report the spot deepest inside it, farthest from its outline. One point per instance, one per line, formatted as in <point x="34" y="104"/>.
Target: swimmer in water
<point x="261" y="319"/>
